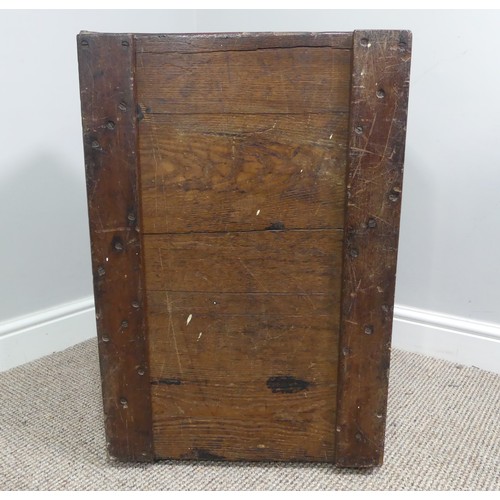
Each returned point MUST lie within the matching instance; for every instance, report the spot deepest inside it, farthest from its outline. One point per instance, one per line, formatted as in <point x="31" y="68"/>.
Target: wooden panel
<point x="244" y="422"/>
<point x="110" y="140"/>
<point x="254" y="261"/>
<point x="242" y="172"/>
<point x="238" y="337"/>
<point x="216" y="42"/>
<point x="294" y="80"/>
<point x="381" y="65"/>
<point x="244" y="376"/>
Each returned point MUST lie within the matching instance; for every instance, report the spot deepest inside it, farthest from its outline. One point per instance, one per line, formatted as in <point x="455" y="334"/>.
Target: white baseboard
<point x="451" y="338"/>
<point x="44" y="332"/>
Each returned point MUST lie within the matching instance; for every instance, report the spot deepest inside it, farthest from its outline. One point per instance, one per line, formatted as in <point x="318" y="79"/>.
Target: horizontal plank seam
<point x="295" y="230"/>
<point x="230" y="113"/>
<point x="258" y="49"/>
<point x="240" y="293"/>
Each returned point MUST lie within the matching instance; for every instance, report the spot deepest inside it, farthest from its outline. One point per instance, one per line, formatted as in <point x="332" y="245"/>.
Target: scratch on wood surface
<point x="172" y="330"/>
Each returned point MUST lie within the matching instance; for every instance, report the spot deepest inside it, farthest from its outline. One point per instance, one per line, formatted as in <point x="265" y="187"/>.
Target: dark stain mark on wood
<point x="166" y="381"/>
<point x="286" y="384"/>
<point x="140" y="114"/>
<point x="276" y="226"/>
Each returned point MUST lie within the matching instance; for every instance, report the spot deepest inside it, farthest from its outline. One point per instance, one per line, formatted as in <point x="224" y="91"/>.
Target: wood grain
<point x="243" y="422"/>
<point x="254" y="261"/>
<point x="110" y="145"/>
<point x="379" y="99"/>
<point x="242" y="172"/>
<point x="216" y="42"/>
<point x="293" y="80"/>
<point x="215" y="337"/>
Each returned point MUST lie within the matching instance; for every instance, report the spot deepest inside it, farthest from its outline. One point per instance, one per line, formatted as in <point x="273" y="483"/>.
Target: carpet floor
<point x="443" y="433"/>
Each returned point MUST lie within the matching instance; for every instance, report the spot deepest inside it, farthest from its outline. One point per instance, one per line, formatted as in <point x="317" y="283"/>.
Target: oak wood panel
<point x="215" y="42"/>
<point x="226" y="338"/>
<point x="110" y="145"/>
<point x="255" y="261"/>
<point x="379" y="103"/>
<point x="292" y="80"/>
<point x="242" y="172"/>
<point x="243" y="422"/>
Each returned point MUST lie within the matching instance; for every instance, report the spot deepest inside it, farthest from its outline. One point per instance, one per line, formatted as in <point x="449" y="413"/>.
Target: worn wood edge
<point x="371" y="228"/>
<point x="125" y="386"/>
<point x="244" y="41"/>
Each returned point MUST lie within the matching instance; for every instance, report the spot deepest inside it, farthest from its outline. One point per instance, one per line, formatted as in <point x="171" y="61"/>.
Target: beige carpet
<point x="443" y="433"/>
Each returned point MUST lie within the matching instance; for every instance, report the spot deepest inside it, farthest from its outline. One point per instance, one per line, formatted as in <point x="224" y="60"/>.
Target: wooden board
<point x="244" y="195"/>
<point x="110" y="143"/>
<point x="242" y="172"/>
<point x="219" y="356"/>
<point x="275" y="80"/>
<point x="379" y="100"/>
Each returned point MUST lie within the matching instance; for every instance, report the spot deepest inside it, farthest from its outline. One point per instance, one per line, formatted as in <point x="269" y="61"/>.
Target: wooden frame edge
<point x="110" y="133"/>
<point x="378" y="112"/>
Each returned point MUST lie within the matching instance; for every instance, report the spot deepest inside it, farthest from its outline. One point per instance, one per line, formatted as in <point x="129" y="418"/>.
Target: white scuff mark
<point x="369" y="44"/>
<point x="215" y="302"/>
<point x="258" y="212"/>
<point x="199" y="336"/>
<point x="331" y="135"/>
<point x="190" y="317"/>
<point x="301" y="170"/>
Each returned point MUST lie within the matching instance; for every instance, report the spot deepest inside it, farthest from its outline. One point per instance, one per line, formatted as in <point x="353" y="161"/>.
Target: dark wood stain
<point x="166" y="381"/>
<point x="285" y="384"/>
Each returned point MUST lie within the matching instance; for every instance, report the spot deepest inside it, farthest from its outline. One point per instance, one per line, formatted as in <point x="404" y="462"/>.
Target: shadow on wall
<point x="45" y="250"/>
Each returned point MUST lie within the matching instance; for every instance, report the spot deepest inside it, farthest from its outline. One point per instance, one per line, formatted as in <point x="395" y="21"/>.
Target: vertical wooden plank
<point x="106" y="63"/>
<point x="379" y="97"/>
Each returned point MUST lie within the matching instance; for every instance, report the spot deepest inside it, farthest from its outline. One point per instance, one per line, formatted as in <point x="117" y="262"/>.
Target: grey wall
<point x="449" y="231"/>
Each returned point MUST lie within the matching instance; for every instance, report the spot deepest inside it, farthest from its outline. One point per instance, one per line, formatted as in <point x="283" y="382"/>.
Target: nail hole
<point x="118" y="246"/>
<point x="95" y="144"/>
<point x="124" y="402"/>
<point x="105" y="338"/>
<point x="359" y="436"/>
<point x="123" y="106"/>
<point x="385" y="308"/>
<point x="368" y="329"/>
<point x="346" y="351"/>
<point x="125" y="43"/>
<point x="135" y="304"/>
<point x="124" y="324"/>
<point x="84" y="43"/>
<point x="380" y="93"/>
<point x="358" y="129"/>
<point x="141" y="370"/>
<point x="101" y="271"/>
<point x="393" y="196"/>
<point x="110" y="125"/>
<point x="131" y="217"/>
<point x="364" y="42"/>
<point x="372" y="223"/>
<point x="379" y="415"/>
<point x="354" y="253"/>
